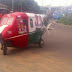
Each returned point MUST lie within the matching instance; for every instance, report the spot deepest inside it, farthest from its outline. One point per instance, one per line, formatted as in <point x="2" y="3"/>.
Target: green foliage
<point x="25" y="5"/>
<point x="66" y="21"/>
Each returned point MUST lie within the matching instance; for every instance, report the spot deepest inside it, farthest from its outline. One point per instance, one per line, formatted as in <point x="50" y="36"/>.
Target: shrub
<point x="66" y="21"/>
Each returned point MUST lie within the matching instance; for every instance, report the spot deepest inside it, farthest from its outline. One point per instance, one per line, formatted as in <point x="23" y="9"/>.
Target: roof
<point x="18" y="14"/>
<point x="26" y="14"/>
<point x="33" y="15"/>
<point x="30" y="14"/>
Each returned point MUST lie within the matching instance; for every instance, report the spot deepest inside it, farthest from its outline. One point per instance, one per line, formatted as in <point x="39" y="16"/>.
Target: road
<point x="55" y="56"/>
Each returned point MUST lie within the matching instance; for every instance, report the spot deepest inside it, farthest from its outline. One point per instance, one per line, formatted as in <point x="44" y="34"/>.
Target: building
<point x="2" y="6"/>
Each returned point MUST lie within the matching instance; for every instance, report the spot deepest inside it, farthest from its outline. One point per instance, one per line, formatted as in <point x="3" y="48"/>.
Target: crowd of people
<point x="56" y="15"/>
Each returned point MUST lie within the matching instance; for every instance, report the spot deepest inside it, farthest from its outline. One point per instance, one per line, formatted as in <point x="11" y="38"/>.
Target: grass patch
<point x="66" y="21"/>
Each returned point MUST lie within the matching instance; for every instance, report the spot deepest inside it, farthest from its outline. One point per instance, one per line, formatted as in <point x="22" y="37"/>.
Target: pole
<point x="21" y="6"/>
<point x="12" y="5"/>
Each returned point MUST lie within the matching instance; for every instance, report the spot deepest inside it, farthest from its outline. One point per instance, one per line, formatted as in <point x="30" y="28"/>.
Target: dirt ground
<point x="55" y="56"/>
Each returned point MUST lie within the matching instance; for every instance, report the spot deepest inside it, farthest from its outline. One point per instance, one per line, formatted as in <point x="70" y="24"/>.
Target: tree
<point x="24" y="5"/>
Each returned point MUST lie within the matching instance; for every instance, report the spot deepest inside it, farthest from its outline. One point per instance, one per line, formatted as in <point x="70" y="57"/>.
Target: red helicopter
<point x="20" y="29"/>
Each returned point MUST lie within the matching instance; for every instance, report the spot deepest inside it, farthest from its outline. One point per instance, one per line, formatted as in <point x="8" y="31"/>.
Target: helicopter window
<point x="7" y="21"/>
<point x="31" y="23"/>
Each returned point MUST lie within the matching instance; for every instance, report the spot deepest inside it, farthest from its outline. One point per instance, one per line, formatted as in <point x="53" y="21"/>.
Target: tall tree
<point x="24" y="5"/>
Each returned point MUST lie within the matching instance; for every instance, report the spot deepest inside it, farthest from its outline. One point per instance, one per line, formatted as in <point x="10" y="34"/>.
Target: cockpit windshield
<point x="7" y="21"/>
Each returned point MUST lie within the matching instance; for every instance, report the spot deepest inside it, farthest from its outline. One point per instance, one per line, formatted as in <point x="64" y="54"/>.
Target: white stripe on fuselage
<point x="17" y="36"/>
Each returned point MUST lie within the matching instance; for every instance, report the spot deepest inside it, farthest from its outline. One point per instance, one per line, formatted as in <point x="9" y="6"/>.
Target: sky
<point x="54" y="2"/>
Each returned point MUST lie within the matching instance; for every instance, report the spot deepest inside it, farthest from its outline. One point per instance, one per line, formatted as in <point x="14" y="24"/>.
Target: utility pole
<point x="21" y="6"/>
<point x="12" y="5"/>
